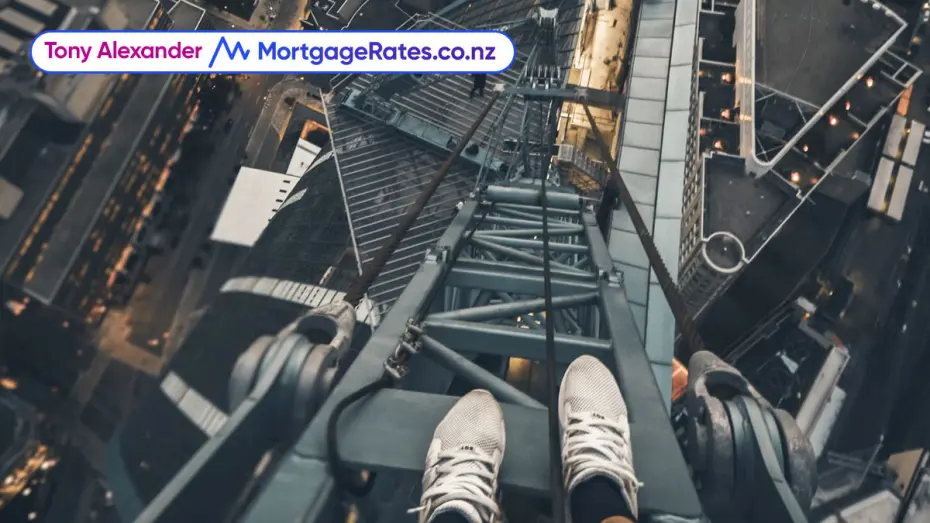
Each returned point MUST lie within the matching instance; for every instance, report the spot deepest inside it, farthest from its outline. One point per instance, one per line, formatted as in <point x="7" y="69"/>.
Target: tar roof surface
<point x="740" y="204"/>
<point x="773" y="276"/>
<point x="809" y="48"/>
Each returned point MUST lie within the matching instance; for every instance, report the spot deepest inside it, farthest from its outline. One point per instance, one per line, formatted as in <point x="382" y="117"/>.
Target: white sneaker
<point x="595" y="429"/>
<point x="463" y="461"/>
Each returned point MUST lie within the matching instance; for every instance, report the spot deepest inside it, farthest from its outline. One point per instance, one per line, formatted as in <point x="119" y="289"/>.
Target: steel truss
<point x="486" y="303"/>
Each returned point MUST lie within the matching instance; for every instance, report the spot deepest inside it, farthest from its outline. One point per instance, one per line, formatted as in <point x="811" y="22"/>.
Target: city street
<point x="880" y="260"/>
<point x="134" y="334"/>
<point x="137" y="334"/>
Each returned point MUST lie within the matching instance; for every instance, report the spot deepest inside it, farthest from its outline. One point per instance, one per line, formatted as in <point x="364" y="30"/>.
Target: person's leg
<point x="463" y="462"/>
<point x="597" y="460"/>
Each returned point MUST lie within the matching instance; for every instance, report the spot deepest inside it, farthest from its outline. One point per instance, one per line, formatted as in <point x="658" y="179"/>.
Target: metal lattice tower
<point x="486" y="308"/>
<point x="488" y="304"/>
<point x="473" y="305"/>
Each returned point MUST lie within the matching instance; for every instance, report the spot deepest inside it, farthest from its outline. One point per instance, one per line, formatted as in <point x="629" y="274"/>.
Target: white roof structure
<point x="303" y="156"/>
<point x="254" y="199"/>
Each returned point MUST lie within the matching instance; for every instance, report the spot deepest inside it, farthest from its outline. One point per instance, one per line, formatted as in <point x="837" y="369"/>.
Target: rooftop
<point x="810" y="108"/>
<point x="32" y="161"/>
<point x="101" y="178"/>
<point x="810" y="49"/>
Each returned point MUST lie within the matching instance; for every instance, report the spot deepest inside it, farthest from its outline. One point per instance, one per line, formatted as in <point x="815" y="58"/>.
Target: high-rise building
<point x="760" y="155"/>
<point x="71" y="97"/>
<point x="78" y="214"/>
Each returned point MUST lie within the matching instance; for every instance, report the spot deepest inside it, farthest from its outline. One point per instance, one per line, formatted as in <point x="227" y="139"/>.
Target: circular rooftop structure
<point x="724" y="252"/>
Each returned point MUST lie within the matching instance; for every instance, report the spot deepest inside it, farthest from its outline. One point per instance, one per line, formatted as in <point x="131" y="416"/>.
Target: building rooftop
<point x="810" y="49"/>
<point x="33" y="162"/>
<point x="738" y="203"/>
<point x="809" y="109"/>
<point x="99" y="182"/>
<point x="186" y="16"/>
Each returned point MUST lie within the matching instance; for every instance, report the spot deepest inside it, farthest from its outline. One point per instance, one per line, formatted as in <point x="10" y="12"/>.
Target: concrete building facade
<point x="73" y="98"/>
<point x="58" y="245"/>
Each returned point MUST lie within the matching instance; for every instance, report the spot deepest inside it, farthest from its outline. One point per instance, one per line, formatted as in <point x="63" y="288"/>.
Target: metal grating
<point x="382" y="172"/>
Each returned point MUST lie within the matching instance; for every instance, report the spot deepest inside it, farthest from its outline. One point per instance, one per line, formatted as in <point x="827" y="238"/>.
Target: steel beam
<point x="479" y="377"/>
<point x="536" y="245"/>
<point x="537" y="231"/>
<point x="530" y="196"/>
<point x="499" y="266"/>
<point x="514" y="283"/>
<point x="528" y="215"/>
<point x="517" y="254"/>
<point x="600" y="254"/>
<point x="534" y="221"/>
<point x="571" y="93"/>
<point x="482" y="338"/>
<point x="513" y="309"/>
<point x="536" y="212"/>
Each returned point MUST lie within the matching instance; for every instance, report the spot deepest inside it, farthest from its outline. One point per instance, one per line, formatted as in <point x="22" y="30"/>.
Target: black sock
<point x="597" y="499"/>
<point x="450" y="517"/>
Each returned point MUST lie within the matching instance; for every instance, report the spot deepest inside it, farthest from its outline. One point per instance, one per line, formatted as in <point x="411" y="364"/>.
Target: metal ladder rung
<point x="512" y="341"/>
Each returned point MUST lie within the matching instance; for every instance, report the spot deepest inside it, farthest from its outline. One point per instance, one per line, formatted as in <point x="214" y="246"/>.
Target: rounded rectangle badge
<point x="232" y="52"/>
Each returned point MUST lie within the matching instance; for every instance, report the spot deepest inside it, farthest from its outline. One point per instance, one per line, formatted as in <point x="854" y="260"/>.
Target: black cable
<point x="341" y="475"/>
<point x="690" y="337"/>
<point x="555" y="448"/>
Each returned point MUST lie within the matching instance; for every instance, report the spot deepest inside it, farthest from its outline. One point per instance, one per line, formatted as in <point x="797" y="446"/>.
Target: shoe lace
<point x="594" y="441"/>
<point x="462" y="474"/>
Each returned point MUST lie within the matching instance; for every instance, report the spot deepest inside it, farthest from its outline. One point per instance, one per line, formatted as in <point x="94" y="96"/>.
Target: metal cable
<point x="555" y="442"/>
<point x="342" y="477"/>
<point x="692" y="339"/>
